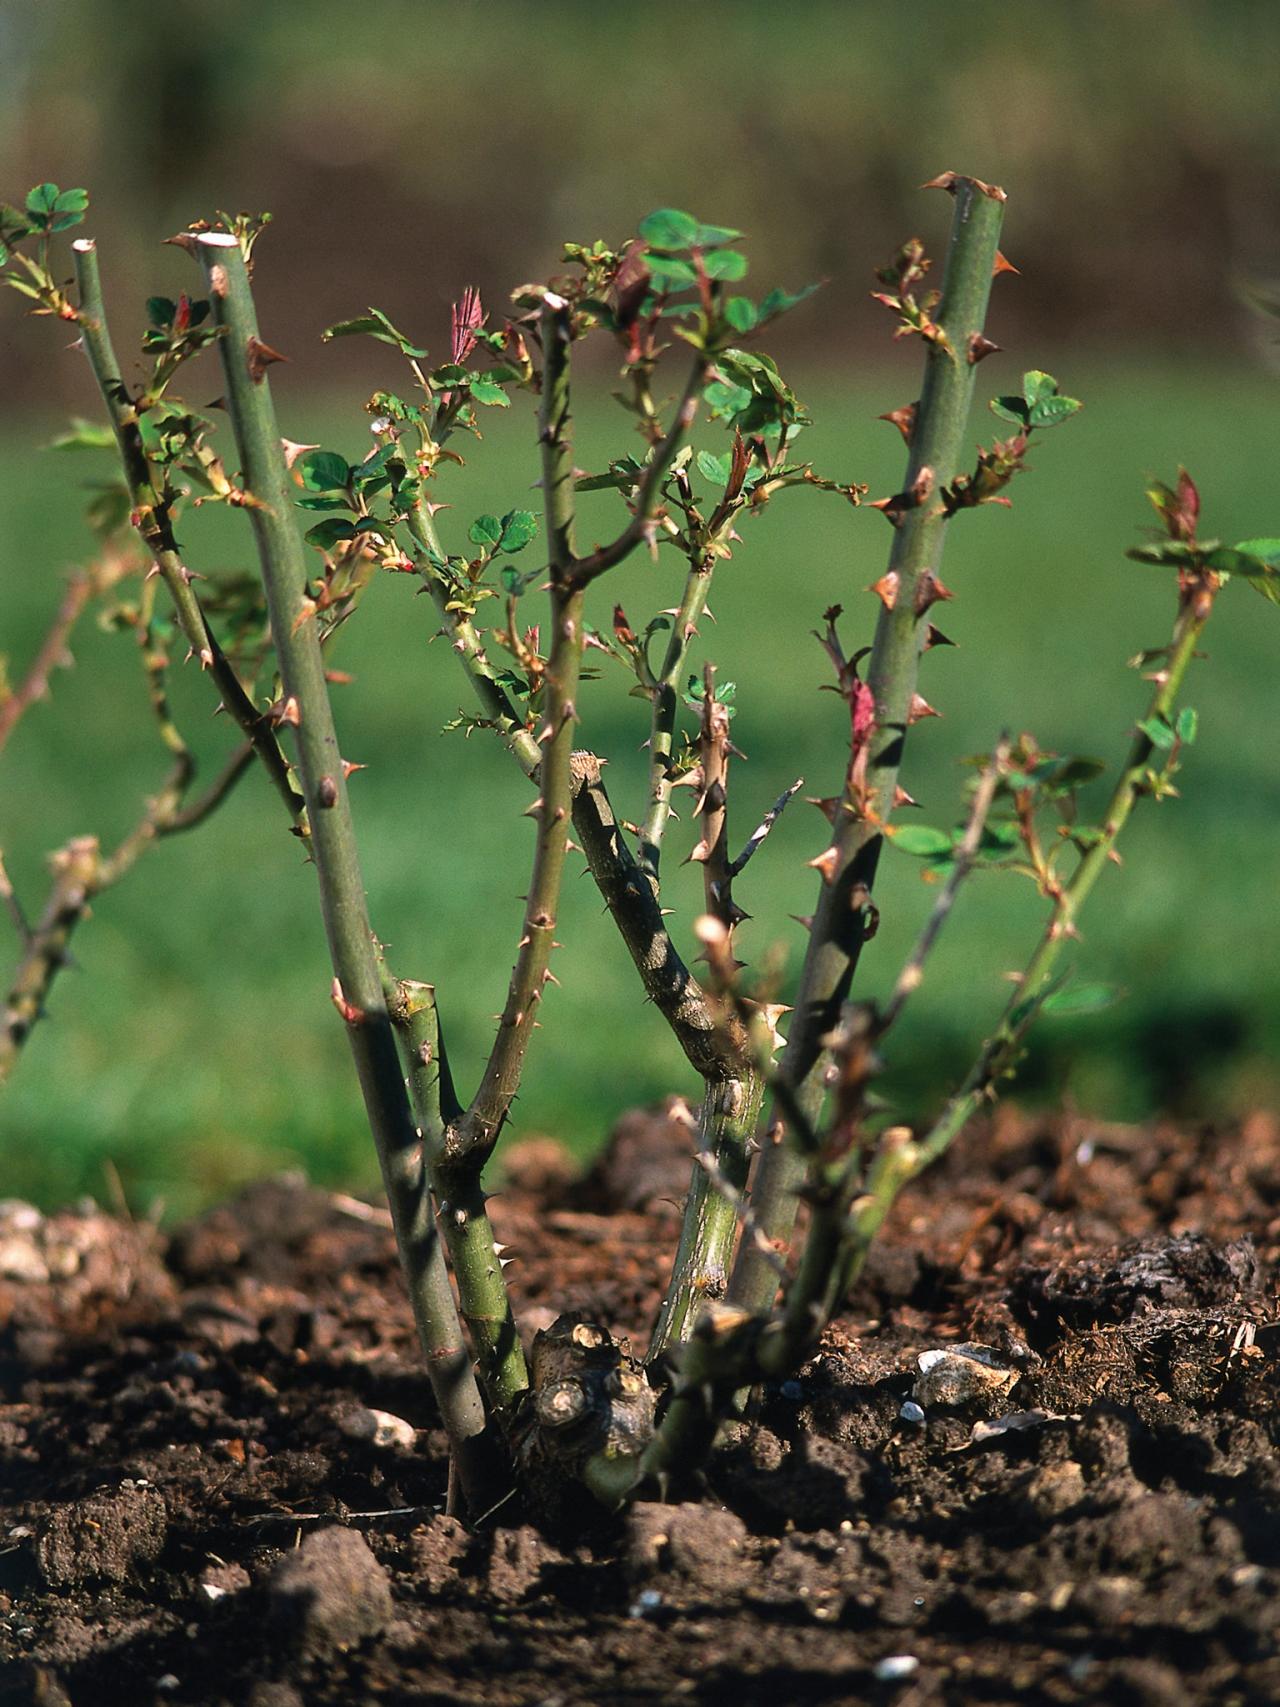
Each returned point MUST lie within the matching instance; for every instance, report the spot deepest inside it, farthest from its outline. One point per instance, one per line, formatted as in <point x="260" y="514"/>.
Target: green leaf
<point x="449" y="375"/>
<point x="782" y="301"/>
<point x="725" y="398"/>
<point x="324" y="471"/>
<point x="741" y="313"/>
<point x="161" y="310"/>
<point x="922" y="842"/>
<point x="623" y="474"/>
<point x="1048" y="411"/>
<point x="328" y="533"/>
<point x="670" y="272"/>
<point x="512" y="580"/>
<point x="1081" y="999"/>
<point x="69" y="209"/>
<point x="1266" y="549"/>
<point x="42" y="200"/>
<point x="376" y="325"/>
<point x="713" y="236"/>
<point x="727" y="264"/>
<point x="1012" y="409"/>
<point x="669" y="228"/>
<point x="1256" y="561"/>
<point x="519" y="527"/>
<point x="1036" y="386"/>
<point x="84" y="435"/>
<point x="4" y="253"/>
<point x="322" y="501"/>
<point x="1158" y="732"/>
<point x="489" y="392"/>
<point x="485" y="531"/>
<point x="714" y="468"/>
<point x="1188" y="725"/>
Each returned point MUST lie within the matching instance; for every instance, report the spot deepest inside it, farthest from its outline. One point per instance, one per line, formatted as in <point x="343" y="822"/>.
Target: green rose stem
<point x="358" y="991"/>
<point x="731" y="1100"/>
<point x="840" y="920"/>
<point x="81" y="871"/>
<point x="152" y="521"/>
<point x="1034" y="985"/>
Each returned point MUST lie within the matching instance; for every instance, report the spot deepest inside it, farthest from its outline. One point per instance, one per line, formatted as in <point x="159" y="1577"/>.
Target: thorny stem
<point x="52" y="651"/>
<point x="474" y="1255"/>
<point x="727" y="1121"/>
<point x="152" y="522"/>
<point x="1024" y="1005"/>
<point x="358" y="989"/>
<point x="666" y="701"/>
<point x="840" y="921"/>
<point x="631" y="895"/>
<point x="476" y="1133"/>
<point x="81" y="872"/>
<point x="584" y="570"/>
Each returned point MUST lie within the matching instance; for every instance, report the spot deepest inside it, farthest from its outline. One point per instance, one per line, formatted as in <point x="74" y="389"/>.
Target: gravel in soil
<point x="1035" y="1460"/>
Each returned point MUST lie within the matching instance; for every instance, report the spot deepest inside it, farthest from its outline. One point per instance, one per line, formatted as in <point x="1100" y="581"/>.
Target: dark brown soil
<point x="198" y="1506"/>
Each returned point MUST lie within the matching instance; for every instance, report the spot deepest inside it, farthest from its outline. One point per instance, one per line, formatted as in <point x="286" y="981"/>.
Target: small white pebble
<point x="211" y="1591"/>
<point x="168" y="1683"/>
<point x="911" y="1412"/>
<point x="380" y="1428"/>
<point x="647" y="1601"/>
<point x="896" y="1668"/>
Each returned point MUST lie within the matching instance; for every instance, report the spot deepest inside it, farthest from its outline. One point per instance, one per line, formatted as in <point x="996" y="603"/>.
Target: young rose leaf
<point x="42" y="200"/>
<point x="519" y="527"/>
<point x="1048" y="411"/>
<point x="161" y="311"/>
<point x="669" y="229"/>
<point x="1256" y="561"/>
<point x="1188" y="725"/>
<point x="512" y="580"/>
<point x="669" y="272"/>
<point x="1012" y="409"/>
<point x="376" y="325"/>
<point x="1037" y="385"/>
<point x="1081" y="999"/>
<point x="782" y="301"/>
<point x="922" y="842"/>
<point x="1158" y="732"/>
<point x="623" y="474"/>
<point x="69" y="209"/>
<point x="326" y="534"/>
<point x="714" y="468"/>
<point x="324" y="471"/>
<point x="714" y="236"/>
<point x="727" y="264"/>
<point x="485" y="531"/>
<point x="725" y="398"/>
<point x="741" y="313"/>
<point x="489" y="392"/>
<point x="84" y="435"/>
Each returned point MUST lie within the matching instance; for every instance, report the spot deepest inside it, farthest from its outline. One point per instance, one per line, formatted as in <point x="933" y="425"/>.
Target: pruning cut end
<point x="208" y="239"/>
<point x="84" y="245"/>
<point x="949" y="181"/>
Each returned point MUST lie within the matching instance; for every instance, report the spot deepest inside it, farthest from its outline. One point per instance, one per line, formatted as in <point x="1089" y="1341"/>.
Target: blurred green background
<point x="408" y="149"/>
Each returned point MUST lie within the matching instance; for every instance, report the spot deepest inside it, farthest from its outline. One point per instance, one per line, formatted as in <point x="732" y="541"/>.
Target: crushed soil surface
<point x="1036" y="1460"/>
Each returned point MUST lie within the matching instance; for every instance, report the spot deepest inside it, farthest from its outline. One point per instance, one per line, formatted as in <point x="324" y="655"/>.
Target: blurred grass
<point x="196" y="1046"/>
